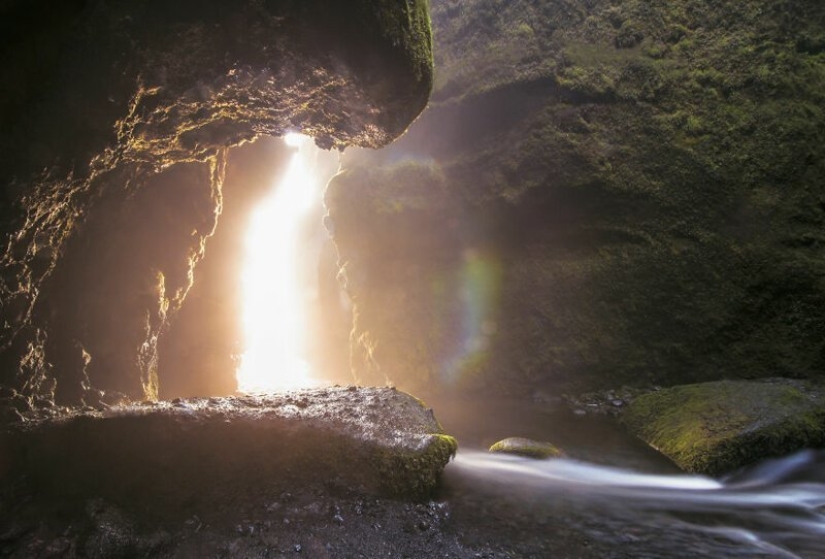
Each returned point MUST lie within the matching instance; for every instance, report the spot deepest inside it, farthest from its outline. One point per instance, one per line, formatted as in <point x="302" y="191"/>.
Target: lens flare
<point x="480" y="285"/>
<point x="273" y="297"/>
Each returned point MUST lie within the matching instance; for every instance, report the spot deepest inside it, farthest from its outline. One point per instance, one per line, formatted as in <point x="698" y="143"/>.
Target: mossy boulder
<point x="715" y="427"/>
<point x="521" y="446"/>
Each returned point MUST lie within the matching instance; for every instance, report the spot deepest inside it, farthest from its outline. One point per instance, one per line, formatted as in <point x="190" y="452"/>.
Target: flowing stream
<point x="616" y="498"/>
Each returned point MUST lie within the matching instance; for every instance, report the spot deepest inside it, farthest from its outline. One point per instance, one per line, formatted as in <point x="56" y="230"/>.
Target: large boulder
<point x="716" y="427"/>
<point x="151" y="456"/>
<point x="600" y="193"/>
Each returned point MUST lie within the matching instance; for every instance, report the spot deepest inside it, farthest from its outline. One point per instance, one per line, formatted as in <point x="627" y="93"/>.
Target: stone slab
<point x="376" y="441"/>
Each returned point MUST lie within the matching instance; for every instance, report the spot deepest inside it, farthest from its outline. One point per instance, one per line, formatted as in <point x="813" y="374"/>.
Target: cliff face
<point x="116" y="120"/>
<point x="600" y="193"/>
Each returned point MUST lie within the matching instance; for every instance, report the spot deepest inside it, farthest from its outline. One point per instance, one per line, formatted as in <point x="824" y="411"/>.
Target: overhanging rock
<point x="375" y="441"/>
<point x="126" y="109"/>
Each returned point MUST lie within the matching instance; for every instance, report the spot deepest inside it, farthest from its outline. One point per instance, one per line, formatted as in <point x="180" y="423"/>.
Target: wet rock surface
<point x="374" y="441"/>
<point x="610" y="402"/>
<point x="530" y="448"/>
<point x="326" y="517"/>
<point x="716" y="427"/>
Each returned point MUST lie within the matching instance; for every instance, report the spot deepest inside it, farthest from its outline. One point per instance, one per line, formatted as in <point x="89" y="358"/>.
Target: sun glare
<point x="274" y="311"/>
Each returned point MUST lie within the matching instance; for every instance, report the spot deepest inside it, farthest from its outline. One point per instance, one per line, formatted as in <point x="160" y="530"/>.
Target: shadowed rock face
<point x="600" y="193"/>
<point x="116" y="117"/>
<point x="169" y="454"/>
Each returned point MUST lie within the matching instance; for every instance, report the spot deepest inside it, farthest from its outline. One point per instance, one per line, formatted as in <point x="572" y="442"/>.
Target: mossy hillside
<point x="647" y="175"/>
<point x="715" y="427"/>
<point x="486" y="44"/>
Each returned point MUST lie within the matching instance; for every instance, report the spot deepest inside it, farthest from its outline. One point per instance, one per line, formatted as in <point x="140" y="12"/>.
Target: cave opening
<point x="265" y="311"/>
<point x="280" y="277"/>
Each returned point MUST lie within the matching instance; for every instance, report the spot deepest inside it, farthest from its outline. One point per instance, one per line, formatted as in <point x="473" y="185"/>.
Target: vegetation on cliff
<point x="645" y="175"/>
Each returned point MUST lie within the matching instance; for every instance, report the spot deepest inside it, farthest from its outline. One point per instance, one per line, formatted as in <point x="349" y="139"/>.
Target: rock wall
<point x="116" y="117"/>
<point x="599" y="193"/>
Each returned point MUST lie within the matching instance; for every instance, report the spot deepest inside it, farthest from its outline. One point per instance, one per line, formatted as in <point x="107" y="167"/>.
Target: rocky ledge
<point x="716" y="427"/>
<point x="156" y="456"/>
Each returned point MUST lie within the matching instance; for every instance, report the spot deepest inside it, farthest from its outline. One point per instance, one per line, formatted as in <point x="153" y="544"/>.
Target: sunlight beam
<point x="273" y="321"/>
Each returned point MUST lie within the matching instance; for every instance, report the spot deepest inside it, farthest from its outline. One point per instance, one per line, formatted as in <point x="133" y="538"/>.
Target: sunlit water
<point x="577" y="508"/>
<point x="275" y="290"/>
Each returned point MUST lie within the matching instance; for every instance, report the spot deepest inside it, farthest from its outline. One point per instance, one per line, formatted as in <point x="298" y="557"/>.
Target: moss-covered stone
<point x="643" y="177"/>
<point x="526" y="447"/>
<point x="715" y="427"/>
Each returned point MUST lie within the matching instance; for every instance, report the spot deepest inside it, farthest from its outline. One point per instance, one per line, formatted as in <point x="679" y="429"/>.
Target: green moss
<point x="657" y="208"/>
<point x="715" y="427"/>
<point x="526" y="447"/>
<point x="411" y="28"/>
<point x="415" y="474"/>
<point x="487" y="44"/>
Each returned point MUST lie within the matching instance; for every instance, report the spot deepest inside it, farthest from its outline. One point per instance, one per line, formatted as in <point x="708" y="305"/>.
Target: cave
<point x="124" y="122"/>
<point x="412" y="278"/>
